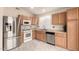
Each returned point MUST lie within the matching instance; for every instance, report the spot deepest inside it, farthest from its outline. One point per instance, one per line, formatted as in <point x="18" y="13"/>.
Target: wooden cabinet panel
<point x="34" y="20"/>
<point x="62" y="18"/>
<point x="61" y="40"/>
<point x="72" y="14"/>
<point x="59" y="19"/>
<point x="40" y="35"/>
<point x="55" y="19"/>
<point x="73" y="28"/>
<point x="72" y="35"/>
<point x="19" y="32"/>
<point x="33" y="34"/>
<point x="61" y="35"/>
<point x="27" y="17"/>
<point x="43" y="36"/>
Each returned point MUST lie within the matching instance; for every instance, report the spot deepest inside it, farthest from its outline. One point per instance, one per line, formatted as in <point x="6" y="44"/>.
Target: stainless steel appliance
<point x="50" y="38"/>
<point x="26" y="28"/>
<point x="9" y="33"/>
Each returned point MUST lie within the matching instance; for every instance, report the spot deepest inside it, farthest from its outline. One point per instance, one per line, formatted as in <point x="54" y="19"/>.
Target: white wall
<point x="1" y="28"/>
<point x="9" y="11"/>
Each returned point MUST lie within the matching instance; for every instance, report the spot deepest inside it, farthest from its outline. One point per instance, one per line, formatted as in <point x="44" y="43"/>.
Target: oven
<point x="27" y="35"/>
<point x="26" y="28"/>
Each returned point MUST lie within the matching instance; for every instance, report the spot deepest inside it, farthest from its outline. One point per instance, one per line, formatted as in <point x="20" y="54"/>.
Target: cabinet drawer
<point x="60" y="34"/>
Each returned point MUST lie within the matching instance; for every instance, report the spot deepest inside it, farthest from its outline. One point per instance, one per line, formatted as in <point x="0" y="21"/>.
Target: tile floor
<point x="35" y="45"/>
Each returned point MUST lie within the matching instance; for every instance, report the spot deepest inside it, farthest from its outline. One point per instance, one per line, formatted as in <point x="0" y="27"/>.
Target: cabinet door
<point x="62" y="18"/>
<point x="34" y="20"/>
<point x="43" y="36"/>
<point x="40" y="35"/>
<point x="60" y="41"/>
<point x="55" y="19"/>
<point x="72" y="14"/>
<point x="19" y="32"/>
<point x="33" y="34"/>
<point x="72" y="35"/>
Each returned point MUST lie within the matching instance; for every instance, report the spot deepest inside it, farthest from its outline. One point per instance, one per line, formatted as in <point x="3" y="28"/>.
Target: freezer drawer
<point x="10" y="43"/>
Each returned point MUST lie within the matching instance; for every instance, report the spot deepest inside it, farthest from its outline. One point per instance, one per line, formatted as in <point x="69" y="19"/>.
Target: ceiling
<point x="41" y="10"/>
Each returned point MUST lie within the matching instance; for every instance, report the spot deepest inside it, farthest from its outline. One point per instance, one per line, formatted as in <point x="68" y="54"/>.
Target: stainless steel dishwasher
<point x="50" y="38"/>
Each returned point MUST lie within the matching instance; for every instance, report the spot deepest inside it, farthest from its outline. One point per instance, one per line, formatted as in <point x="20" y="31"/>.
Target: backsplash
<point x="57" y="27"/>
<point x="45" y="22"/>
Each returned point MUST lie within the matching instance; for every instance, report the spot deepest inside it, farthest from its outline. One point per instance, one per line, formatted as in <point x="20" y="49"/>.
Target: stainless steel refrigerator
<point x="10" y="36"/>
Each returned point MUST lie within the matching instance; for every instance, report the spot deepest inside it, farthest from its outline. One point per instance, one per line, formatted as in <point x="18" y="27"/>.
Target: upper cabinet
<point x="62" y="18"/>
<point x="55" y="19"/>
<point x="59" y="19"/>
<point x="34" y="20"/>
<point x="27" y="17"/>
<point x="72" y="14"/>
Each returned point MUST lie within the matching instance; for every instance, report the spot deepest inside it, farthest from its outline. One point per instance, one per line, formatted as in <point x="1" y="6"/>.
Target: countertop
<point x="48" y="30"/>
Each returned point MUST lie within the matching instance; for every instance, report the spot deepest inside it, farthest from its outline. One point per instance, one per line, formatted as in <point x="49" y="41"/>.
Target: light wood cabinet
<point x="55" y="19"/>
<point x="19" y="32"/>
<point x="62" y="18"/>
<point x="72" y="14"/>
<point x="33" y="34"/>
<point x="73" y="35"/>
<point x="61" y="40"/>
<point x="34" y="20"/>
<point x="59" y="19"/>
<point x="40" y="35"/>
<point x="73" y="28"/>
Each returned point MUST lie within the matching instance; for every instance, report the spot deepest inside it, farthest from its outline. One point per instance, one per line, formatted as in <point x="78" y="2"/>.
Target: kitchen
<point x="56" y="27"/>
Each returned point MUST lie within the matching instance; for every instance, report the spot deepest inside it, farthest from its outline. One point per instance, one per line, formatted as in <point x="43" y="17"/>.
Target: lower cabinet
<point x="33" y="34"/>
<point x="40" y="35"/>
<point x="60" y="40"/>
